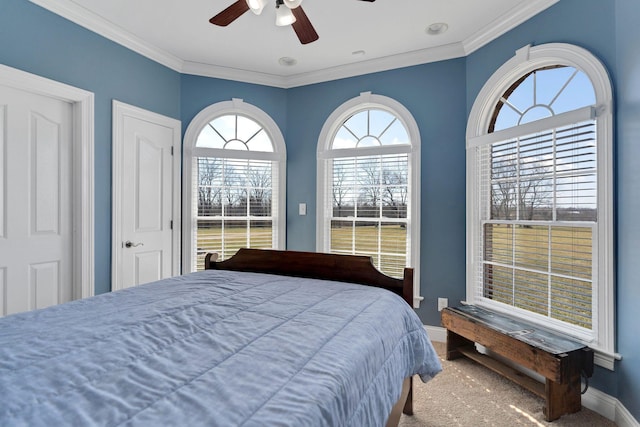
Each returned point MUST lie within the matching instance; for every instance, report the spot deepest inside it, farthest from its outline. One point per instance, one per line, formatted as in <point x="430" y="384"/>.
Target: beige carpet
<point x="469" y="395"/>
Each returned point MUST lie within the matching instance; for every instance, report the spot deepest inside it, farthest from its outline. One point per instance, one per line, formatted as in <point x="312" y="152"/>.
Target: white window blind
<point x="235" y="205"/>
<point x="538" y="223"/>
<point x="369" y="199"/>
<point x="368" y="191"/>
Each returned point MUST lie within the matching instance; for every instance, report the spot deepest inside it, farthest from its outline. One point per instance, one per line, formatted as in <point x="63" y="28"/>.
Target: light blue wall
<point x="439" y="96"/>
<point x="35" y="40"/>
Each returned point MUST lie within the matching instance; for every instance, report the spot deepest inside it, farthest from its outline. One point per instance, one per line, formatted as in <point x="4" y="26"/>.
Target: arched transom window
<point x="541" y="93"/>
<point x="234" y="132"/>
<point x="236" y="168"/>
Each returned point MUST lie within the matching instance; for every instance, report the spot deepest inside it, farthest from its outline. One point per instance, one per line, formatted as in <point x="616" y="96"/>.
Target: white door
<point x="36" y="241"/>
<point x="145" y="227"/>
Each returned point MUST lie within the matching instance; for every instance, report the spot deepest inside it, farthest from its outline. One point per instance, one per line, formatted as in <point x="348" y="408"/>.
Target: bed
<point x="263" y="338"/>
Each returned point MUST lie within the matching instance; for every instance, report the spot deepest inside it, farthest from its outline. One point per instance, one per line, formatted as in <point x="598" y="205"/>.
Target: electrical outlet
<point x="302" y="208"/>
<point x="442" y="303"/>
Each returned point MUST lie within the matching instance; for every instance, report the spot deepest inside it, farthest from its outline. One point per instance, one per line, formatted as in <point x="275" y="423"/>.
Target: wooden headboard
<point x="315" y="265"/>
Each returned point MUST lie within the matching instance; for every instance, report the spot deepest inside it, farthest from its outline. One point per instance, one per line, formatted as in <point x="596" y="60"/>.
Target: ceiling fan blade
<point x="303" y="28"/>
<point x="368" y="0"/>
<point x="230" y="14"/>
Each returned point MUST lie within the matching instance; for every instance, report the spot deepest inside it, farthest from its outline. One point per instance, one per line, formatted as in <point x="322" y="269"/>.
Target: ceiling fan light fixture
<point x="292" y="4"/>
<point x="256" y="6"/>
<point x="284" y="16"/>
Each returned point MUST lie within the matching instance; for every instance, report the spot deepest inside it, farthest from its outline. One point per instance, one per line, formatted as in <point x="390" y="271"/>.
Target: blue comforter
<point x="214" y="348"/>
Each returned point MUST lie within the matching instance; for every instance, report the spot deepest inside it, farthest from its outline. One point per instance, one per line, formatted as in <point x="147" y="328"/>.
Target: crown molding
<point x="236" y="74"/>
<point x="92" y="22"/>
<point x="505" y="23"/>
<point x="391" y="62"/>
<point x="89" y="20"/>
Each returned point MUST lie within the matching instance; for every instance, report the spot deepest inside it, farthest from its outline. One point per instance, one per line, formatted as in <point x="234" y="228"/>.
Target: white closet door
<point x="35" y="201"/>
<point x="144" y="176"/>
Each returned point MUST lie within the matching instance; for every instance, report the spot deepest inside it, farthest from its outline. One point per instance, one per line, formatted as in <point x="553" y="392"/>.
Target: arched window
<point x="234" y="166"/>
<point x="368" y="183"/>
<point x="540" y="194"/>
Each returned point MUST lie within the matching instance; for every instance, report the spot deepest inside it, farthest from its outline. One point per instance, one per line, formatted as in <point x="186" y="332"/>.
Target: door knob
<point x="130" y="244"/>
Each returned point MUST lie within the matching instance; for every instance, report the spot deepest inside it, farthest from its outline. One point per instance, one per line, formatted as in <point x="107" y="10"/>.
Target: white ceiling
<point x="390" y="32"/>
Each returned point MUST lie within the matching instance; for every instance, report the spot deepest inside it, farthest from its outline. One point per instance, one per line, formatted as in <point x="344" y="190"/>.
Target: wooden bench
<point x="559" y="360"/>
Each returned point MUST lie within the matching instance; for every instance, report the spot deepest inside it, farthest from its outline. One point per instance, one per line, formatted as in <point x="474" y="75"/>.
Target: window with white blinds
<point x="235" y="205"/>
<point x="368" y="175"/>
<point x="539" y="183"/>
<point x="369" y="217"/>
<point x="235" y="160"/>
<point x="538" y="226"/>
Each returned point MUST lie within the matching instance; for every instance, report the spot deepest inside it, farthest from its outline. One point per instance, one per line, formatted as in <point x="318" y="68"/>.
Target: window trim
<point x="367" y="100"/>
<point x="279" y="155"/>
<point x="526" y="60"/>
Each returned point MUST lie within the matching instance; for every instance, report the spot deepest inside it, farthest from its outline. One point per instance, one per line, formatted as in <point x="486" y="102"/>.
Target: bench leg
<point x="454" y="342"/>
<point x="562" y="399"/>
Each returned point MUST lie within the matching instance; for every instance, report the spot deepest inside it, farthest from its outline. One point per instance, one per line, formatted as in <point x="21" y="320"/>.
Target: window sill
<point x="605" y="360"/>
<point x="417" y="300"/>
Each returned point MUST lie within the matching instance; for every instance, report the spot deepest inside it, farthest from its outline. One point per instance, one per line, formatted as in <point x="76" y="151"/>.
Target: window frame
<point x="528" y="59"/>
<point x="365" y="101"/>
<point x="197" y="124"/>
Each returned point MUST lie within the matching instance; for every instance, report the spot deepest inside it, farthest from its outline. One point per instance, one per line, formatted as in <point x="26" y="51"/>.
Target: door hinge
<point x="172" y="150"/>
<point x="171" y="224"/>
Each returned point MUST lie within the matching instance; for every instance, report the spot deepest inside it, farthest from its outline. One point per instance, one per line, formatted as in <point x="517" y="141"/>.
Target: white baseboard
<point x="436" y="333"/>
<point x="608" y="407"/>
<point x="599" y="402"/>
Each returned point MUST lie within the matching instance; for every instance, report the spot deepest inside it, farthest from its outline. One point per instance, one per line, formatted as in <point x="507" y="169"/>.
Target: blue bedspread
<point x="213" y="348"/>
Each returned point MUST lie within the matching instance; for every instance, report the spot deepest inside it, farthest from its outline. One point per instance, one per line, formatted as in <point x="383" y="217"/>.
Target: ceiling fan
<point x="288" y="12"/>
